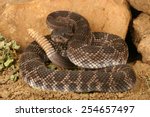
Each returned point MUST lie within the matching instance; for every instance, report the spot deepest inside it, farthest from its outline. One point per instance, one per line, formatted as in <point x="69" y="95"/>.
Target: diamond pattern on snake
<point x="101" y="57"/>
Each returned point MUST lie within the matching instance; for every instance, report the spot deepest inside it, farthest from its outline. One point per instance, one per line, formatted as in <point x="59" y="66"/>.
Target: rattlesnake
<point x="102" y="55"/>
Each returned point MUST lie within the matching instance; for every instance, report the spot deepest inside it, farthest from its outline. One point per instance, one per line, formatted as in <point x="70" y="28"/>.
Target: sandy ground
<point x="19" y="90"/>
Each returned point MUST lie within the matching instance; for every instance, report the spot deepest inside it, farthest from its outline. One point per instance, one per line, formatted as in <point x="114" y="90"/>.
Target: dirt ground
<point x="19" y="90"/>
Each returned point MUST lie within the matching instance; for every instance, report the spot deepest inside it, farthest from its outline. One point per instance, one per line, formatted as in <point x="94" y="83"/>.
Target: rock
<point x="141" y="5"/>
<point x="17" y="1"/>
<point x="103" y="15"/>
<point x="141" y="36"/>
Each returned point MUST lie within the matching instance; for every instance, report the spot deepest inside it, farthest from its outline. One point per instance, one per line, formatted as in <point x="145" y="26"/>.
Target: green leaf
<point x="1" y="38"/>
<point x="7" y="45"/>
<point x="1" y="61"/>
<point x="8" y="62"/>
<point x="2" y="57"/>
<point x="14" y="45"/>
<point x="9" y="57"/>
<point x="52" y="66"/>
<point x="14" y="77"/>
<point x="1" y="67"/>
<point x="2" y="43"/>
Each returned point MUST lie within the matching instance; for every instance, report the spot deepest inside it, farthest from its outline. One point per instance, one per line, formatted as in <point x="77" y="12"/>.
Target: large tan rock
<point x="111" y="16"/>
<point x="141" y="36"/>
<point x="141" y="5"/>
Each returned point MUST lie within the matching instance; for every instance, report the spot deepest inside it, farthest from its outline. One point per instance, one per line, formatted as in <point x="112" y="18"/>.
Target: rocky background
<point x="129" y="19"/>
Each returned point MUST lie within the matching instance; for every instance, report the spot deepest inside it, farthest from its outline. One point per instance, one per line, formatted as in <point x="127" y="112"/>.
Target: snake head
<point x="61" y="35"/>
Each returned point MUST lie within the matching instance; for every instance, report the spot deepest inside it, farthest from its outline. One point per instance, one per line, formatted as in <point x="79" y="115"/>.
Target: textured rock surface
<point x="141" y="36"/>
<point x="103" y="15"/>
<point x="141" y="5"/>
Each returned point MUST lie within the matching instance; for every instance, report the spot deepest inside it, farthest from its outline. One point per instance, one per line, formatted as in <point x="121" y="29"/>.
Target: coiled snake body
<point x="103" y="56"/>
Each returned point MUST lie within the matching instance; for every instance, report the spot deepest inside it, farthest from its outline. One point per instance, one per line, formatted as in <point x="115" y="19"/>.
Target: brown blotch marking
<point x="59" y="76"/>
<point x="28" y="56"/>
<point x="119" y="45"/>
<point x="32" y="65"/>
<point x="75" y="17"/>
<point x="84" y="87"/>
<point x="43" y="72"/>
<point x="72" y="86"/>
<point x="119" y="48"/>
<point x="102" y="76"/>
<point x="103" y="79"/>
<point x="82" y="22"/>
<point x="97" y="35"/>
<point x="93" y="86"/>
<point x="74" y="44"/>
<point x="49" y="82"/>
<point x="112" y="36"/>
<point x="108" y="49"/>
<point x="118" y="76"/>
<point x="91" y="49"/>
<point x="86" y="77"/>
<point x="60" y="86"/>
<point x="130" y="74"/>
<point x="119" y="79"/>
<point x="74" y="76"/>
<point x="54" y="19"/>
